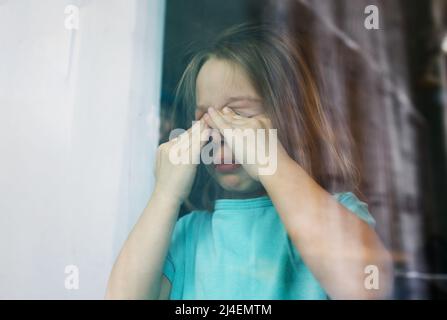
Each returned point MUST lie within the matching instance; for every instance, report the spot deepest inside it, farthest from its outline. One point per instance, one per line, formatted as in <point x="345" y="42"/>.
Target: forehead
<point x="219" y="80"/>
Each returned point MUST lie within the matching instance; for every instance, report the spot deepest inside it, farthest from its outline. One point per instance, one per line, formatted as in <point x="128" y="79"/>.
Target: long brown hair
<point x="281" y="75"/>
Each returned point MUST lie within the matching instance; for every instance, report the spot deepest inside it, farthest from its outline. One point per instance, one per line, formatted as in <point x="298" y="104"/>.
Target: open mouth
<point x="227" y="168"/>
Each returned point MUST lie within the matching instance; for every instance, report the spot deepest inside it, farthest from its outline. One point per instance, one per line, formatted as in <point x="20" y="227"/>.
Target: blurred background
<point x="86" y="91"/>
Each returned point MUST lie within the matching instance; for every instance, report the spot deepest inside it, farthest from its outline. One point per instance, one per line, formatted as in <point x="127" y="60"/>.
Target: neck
<point x="225" y="194"/>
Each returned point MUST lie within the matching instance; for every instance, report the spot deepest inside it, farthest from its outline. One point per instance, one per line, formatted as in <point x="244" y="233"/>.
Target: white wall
<point x="78" y="131"/>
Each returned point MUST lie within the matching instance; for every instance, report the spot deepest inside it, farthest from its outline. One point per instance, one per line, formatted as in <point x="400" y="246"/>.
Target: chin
<point x="237" y="183"/>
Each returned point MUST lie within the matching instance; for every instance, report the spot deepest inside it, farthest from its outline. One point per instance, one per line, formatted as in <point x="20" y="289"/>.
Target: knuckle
<point x="164" y="146"/>
<point x="255" y="123"/>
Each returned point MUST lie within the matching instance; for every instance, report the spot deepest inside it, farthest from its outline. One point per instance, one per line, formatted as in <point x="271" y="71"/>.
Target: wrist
<point x="284" y="165"/>
<point x="166" y="199"/>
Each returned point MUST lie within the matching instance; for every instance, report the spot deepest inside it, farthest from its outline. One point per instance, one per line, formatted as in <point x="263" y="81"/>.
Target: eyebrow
<point x="235" y="99"/>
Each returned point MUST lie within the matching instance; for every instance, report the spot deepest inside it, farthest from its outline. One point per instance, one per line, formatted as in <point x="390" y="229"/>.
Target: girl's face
<point x="219" y="84"/>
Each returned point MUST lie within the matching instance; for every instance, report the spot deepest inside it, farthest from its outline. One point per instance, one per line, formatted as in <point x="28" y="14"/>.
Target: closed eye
<point x="242" y="114"/>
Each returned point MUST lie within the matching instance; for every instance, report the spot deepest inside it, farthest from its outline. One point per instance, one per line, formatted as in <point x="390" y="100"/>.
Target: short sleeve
<point x="360" y="208"/>
<point x="175" y="251"/>
<point x="168" y="268"/>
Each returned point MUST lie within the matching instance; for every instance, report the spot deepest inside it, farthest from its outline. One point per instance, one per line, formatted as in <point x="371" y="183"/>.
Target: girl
<point x="275" y="236"/>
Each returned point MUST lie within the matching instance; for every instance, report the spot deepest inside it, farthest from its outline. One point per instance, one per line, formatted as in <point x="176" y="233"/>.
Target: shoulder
<point x="354" y="204"/>
<point x="186" y="229"/>
<point x="190" y="221"/>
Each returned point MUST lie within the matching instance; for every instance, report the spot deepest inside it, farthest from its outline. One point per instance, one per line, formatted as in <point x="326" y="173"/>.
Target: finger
<point x="205" y="137"/>
<point x="199" y="132"/>
<point x="209" y="121"/>
<point x="212" y="122"/>
<point x="183" y="143"/>
<point x="234" y="119"/>
<point x="218" y="120"/>
<point x="204" y="134"/>
<point x="195" y="132"/>
<point x="238" y="123"/>
<point x="229" y="112"/>
<point x="186" y="137"/>
<point x="216" y="137"/>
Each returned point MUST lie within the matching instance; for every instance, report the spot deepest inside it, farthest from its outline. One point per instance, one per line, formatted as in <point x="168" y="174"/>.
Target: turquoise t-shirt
<point x="242" y="251"/>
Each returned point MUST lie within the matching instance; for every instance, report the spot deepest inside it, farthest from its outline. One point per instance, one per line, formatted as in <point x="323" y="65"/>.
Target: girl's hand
<point x="174" y="179"/>
<point x="253" y="140"/>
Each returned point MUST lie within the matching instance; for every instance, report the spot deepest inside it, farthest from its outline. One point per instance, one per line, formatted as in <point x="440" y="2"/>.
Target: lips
<point x="226" y="168"/>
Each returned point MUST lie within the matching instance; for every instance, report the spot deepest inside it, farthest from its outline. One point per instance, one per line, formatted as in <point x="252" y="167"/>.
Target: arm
<point x="334" y="243"/>
<point x="137" y="273"/>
